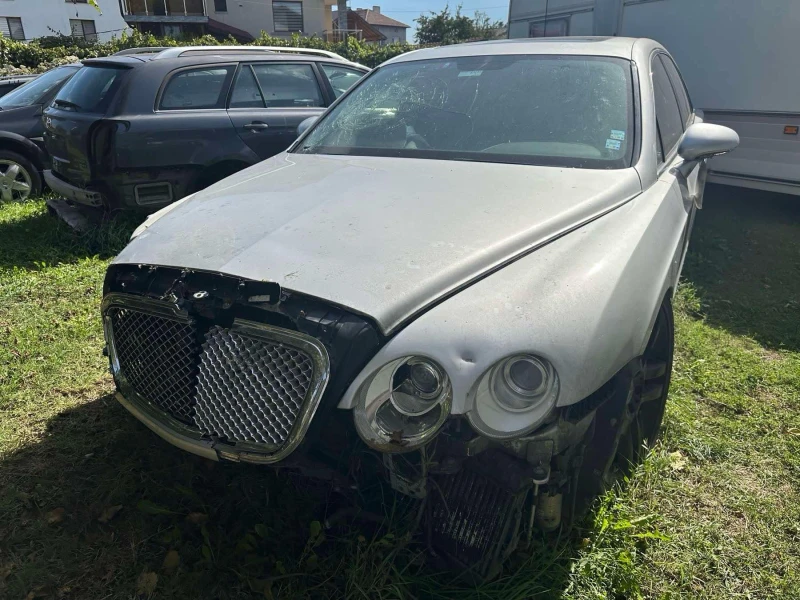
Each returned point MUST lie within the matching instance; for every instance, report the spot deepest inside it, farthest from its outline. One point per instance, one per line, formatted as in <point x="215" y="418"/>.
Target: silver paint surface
<point x="476" y="261"/>
<point x="385" y="237"/>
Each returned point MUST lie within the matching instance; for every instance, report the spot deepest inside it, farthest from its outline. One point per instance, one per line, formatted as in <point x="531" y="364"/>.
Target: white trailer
<point x="738" y="58"/>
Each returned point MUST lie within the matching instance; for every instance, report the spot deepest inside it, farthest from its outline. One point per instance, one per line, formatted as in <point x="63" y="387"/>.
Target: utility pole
<point x="341" y="7"/>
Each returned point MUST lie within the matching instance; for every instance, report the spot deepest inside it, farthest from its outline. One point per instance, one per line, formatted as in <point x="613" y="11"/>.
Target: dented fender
<point x="586" y="302"/>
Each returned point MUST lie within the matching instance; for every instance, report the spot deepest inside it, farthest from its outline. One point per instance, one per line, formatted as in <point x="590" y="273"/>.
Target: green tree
<point x="448" y="28"/>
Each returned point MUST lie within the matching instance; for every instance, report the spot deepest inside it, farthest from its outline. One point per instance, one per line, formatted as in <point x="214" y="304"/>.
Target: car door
<point x="673" y="115"/>
<point x="189" y="126"/>
<point x="270" y="99"/>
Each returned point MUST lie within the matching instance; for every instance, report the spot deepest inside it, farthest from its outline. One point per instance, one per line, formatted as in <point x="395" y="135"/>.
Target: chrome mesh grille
<point x="157" y="357"/>
<point x="250" y="389"/>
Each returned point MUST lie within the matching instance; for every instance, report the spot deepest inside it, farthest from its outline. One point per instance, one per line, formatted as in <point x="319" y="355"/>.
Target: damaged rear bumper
<point x="72" y="192"/>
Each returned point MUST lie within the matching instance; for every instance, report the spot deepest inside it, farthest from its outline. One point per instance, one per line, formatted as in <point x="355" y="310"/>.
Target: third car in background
<point x="142" y="130"/>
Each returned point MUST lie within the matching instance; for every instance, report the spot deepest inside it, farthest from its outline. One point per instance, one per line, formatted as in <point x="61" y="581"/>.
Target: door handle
<point x="256" y="125"/>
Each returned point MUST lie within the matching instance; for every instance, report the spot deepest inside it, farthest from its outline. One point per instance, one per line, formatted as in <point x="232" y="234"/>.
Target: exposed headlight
<point x="402" y="405"/>
<point x="514" y="396"/>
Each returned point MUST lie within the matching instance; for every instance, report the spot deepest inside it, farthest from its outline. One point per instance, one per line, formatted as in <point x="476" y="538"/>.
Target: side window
<point x="684" y="104"/>
<point x="341" y="78"/>
<point x="245" y="91"/>
<point x="197" y="88"/>
<point x="288" y="85"/>
<point x="668" y="116"/>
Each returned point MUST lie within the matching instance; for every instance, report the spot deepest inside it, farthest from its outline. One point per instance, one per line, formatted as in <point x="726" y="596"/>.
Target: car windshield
<point x="91" y="90"/>
<point x="35" y="91"/>
<point x="572" y="111"/>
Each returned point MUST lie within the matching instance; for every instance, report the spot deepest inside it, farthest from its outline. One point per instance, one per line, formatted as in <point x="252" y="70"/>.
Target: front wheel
<point x="19" y="177"/>
<point x="630" y="423"/>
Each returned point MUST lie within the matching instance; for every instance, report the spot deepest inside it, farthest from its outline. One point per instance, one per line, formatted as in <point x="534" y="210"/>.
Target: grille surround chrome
<point x="238" y="450"/>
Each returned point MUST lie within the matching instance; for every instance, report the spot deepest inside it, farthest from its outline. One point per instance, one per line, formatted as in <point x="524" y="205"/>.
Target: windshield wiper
<point x="66" y="103"/>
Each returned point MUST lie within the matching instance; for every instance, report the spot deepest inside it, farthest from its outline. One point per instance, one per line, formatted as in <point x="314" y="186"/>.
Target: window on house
<point x="549" y="28"/>
<point x="172" y="30"/>
<point x="221" y="5"/>
<point x="287" y="15"/>
<point x="83" y="28"/>
<point x="11" y="27"/>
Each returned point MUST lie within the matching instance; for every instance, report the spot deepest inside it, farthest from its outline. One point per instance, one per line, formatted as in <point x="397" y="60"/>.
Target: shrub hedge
<point x="47" y="52"/>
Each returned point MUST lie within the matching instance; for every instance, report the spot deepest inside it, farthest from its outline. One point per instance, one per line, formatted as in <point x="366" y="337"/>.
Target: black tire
<point x="631" y="420"/>
<point x="27" y="171"/>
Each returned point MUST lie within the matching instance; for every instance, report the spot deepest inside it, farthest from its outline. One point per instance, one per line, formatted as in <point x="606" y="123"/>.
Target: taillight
<point x="101" y="144"/>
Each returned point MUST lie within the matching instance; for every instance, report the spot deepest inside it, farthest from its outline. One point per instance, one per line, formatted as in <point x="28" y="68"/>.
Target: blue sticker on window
<point x="613" y="144"/>
<point x="616" y="134"/>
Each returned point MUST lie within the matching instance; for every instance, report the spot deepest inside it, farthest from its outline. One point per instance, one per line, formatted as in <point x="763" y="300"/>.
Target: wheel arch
<point x="14" y="142"/>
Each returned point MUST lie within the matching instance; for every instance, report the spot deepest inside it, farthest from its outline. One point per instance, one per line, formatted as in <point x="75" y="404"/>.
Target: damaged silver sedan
<point x="465" y="266"/>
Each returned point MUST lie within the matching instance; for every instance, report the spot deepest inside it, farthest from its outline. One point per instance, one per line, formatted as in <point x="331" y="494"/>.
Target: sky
<point x="408" y="10"/>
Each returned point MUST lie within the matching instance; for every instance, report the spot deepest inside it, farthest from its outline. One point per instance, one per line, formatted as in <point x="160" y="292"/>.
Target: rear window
<point x="341" y="78"/>
<point x="34" y="92"/>
<point x="196" y="89"/>
<point x="90" y="90"/>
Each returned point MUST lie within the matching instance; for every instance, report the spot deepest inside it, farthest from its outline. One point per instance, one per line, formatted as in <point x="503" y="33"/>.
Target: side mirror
<point x="704" y="140"/>
<point x="305" y="125"/>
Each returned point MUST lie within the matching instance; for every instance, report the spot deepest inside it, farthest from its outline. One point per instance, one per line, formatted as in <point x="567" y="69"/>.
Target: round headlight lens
<point x="402" y="405"/>
<point x="522" y="382"/>
<point x="416" y="386"/>
<point x="526" y="375"/>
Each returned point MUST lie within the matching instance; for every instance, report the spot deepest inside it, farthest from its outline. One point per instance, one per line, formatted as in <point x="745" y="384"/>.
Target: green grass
<point x="93" y="505"/>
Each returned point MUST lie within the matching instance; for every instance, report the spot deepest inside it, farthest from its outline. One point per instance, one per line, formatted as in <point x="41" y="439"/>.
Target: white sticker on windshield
<point x="470" y="73"/>
<point x="613" y="144"/>
<point x="616" y="134"/>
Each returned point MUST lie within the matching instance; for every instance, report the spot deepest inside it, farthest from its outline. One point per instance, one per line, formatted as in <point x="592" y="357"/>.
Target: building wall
<point x="393" y="34"/>
<point x="50" y="17"/>
<point x="256" y="16"/>
<point x="579" y="15"/>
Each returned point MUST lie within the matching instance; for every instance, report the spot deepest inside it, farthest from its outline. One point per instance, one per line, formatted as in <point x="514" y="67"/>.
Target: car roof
<point x="138" y="60"/>
<point x="7" y="78"/>
<point x="619" y="47"/>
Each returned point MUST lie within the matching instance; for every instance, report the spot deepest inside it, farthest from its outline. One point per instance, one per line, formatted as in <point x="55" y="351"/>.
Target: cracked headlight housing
<point x="403" y="404"/>
<point x="514" y="396"/>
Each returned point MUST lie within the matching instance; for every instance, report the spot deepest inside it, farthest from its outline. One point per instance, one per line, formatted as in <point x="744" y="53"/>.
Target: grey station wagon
<point x="140" y="130"/>
<point x="465" y="267"/>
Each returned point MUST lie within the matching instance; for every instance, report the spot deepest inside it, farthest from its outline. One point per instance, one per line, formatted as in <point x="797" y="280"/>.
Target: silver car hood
<point x="382" y="236"/>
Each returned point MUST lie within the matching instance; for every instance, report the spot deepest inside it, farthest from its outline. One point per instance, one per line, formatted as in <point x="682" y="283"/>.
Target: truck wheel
<point x="19" y="177"/>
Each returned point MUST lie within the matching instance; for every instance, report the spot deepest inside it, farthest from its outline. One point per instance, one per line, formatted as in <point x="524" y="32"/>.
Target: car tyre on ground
<point x="19" y="177"/>
<point x="627" y="426"/>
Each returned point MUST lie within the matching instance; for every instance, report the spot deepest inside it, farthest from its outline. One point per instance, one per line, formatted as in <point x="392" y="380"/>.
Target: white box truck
<point x="739" y="59"/>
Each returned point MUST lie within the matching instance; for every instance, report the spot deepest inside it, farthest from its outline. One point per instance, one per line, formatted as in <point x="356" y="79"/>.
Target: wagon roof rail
<point x="179" y="51"/>
<point x="141" y="50"/>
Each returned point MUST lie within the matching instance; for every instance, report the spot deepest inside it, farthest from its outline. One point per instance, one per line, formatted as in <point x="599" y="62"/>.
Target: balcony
<point x="164" y="10"/>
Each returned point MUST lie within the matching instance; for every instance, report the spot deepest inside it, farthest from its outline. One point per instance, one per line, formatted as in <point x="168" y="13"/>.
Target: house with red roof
<point x="372" y="26"/>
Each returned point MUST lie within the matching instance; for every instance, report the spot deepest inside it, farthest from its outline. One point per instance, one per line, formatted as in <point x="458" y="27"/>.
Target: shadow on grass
<point x="31" y="236"/>
<point x="236" y="529"/>
<point x="744" y="263"/>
